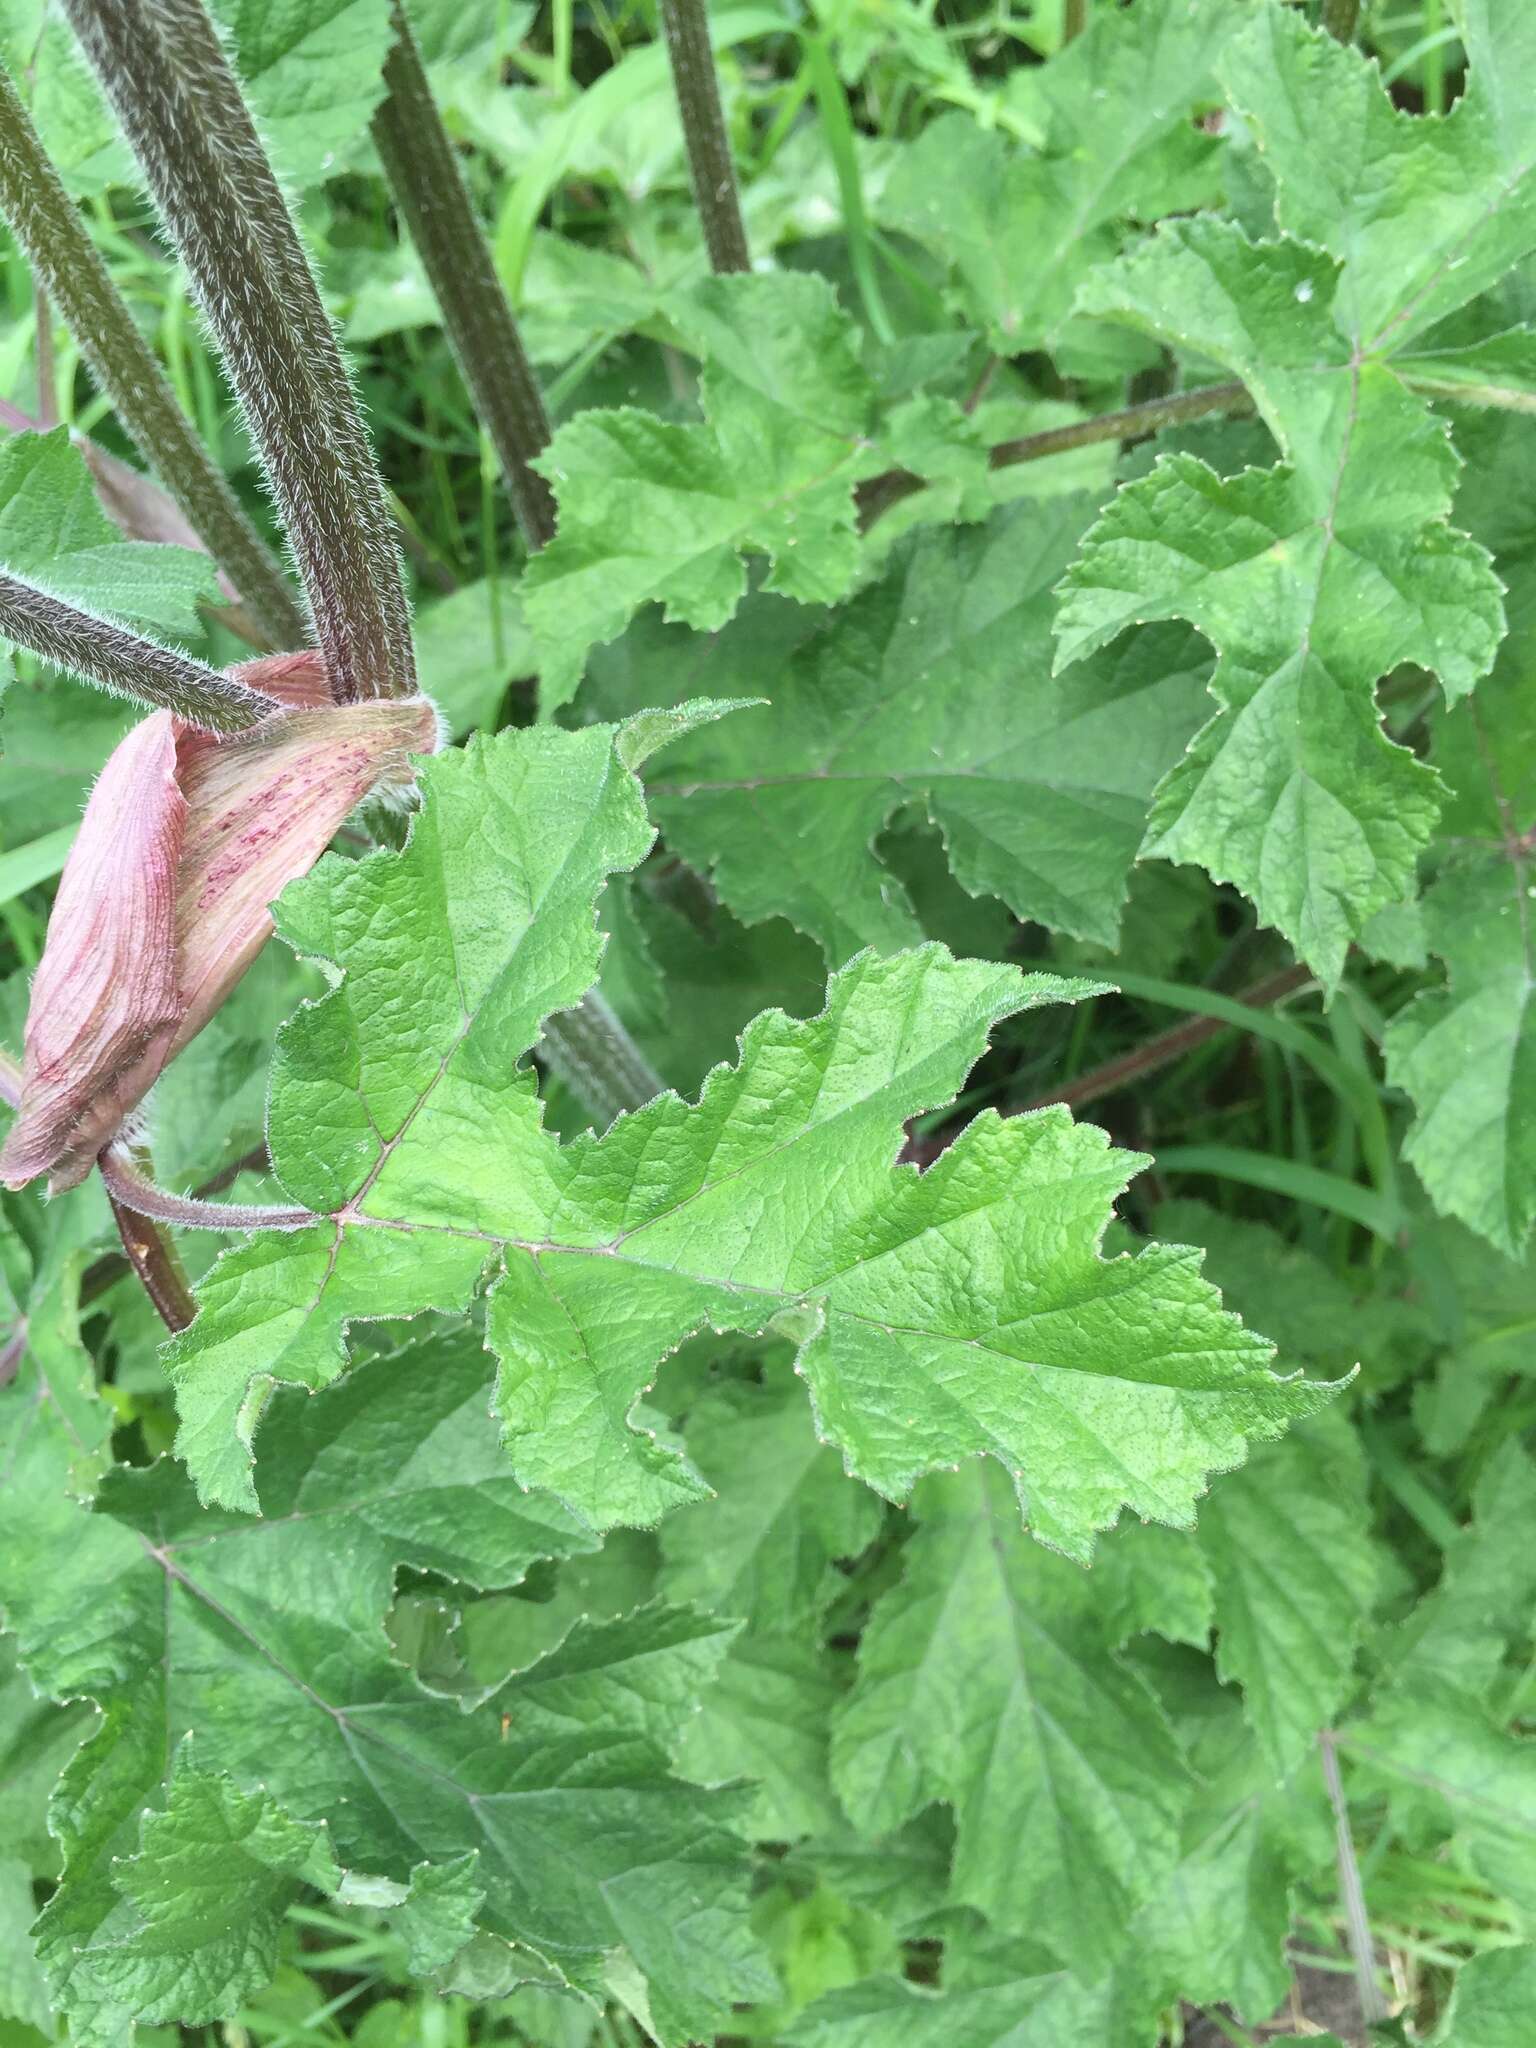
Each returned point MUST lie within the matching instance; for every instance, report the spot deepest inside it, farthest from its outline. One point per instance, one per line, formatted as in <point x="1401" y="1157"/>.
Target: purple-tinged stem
<point x="429" y="189"/>
<point x="130" y="1185"/>
<point x="122" y="662"/>
<point x="69" y="267"/>
<point x="181" y="108"/>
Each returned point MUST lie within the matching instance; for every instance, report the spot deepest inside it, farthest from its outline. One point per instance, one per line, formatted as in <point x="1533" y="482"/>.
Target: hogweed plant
<point x="647" y="1487"/>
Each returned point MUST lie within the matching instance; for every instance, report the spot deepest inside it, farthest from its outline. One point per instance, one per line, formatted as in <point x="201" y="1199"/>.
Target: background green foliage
<point x="704" y="1736"/>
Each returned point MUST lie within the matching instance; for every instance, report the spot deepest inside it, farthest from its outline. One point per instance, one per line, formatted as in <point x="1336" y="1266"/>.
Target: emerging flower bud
<point x="164" y="901"/>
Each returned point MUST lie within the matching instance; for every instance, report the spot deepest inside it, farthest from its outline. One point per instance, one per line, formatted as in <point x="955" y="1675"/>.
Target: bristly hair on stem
<point x="423" y="172"/>
<point x="165" y="73"/>
<point x="124" y="663"/>
<point x="685" y="24"/>
<point x="70" y="270"/>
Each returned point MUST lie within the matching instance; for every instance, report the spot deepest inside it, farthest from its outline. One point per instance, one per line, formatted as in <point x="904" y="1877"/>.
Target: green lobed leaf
<point x="652" y="511"/>
<point x="766" y="1554"/>
<point x="1294" y="1574"/>
<point x="1311" y="579"/>
<point x="263" y="1641"/>
<point x="1452" y="1752"/>
<point x="1492" y="2001"/>
<point x="987" y="1678"/>
<point x="931" y="687"/>
<point x="1428" y="213"/>
<point x="937" y="1316"/>
<point x="53" y="531"/>
<point x="1459" y="1635"/>
<point x="1020" y="229"/>
<point x="1465" y="1054"/>
<point x="313" y="70"/>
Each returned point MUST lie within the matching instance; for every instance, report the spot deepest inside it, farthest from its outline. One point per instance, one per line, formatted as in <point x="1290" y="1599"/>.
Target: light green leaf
<point x="686" y="992"/>
<point x="1215" y="1932"/>
<point x="650" y="511"/>
<point x="53" y="740"/>
<point x="313" y="70"/>
<point x="1311" y="579"/>
<point x="1465" y="1055"/>
<point x="932" y="687"/>
<point x="264" y="1641"/>
<point x="1294" y="1572"/>
<point x="1041" y="2009"/>
<point x="1428" y="212"/>
<point x="1459" y="1635"/>
<point x="938" y="1316"/>
<point x="214" y="1875"/>
<point x="1479" y="1778"/>
<point x="469" y="646"/>
<point x="62" y="95"/>
<point x="53" y="530"/>
<point x="23" y="1991"/>
<point x="767" y="1719"/>
<point x="987" y="1678"/>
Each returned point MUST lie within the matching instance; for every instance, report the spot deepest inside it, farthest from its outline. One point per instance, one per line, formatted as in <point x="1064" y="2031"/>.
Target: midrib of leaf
<point x="356" y="1734"/>
<point x="1019" y="1622"/>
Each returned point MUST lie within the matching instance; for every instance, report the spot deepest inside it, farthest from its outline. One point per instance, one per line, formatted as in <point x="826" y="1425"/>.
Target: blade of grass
<point x="837" y="126"/>
<point x="38" y="861"/>
<point x="1285" y="1177"/>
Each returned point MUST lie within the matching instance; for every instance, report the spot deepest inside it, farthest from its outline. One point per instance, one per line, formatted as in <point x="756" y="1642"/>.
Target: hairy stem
<point x="69" y="268"/>
<point x="588" y="1047"/>
<point x="148" y="1252"/>
<point x="130" y="1184"/>
<point x="595" y="1056"/>
<point x="685" y="24"/>
<point x="42" y="344"/>
<point x="1074" y="19"/>
<point x="1340" y="18"/>
<point x="181" y="109"/>
<point x="125" y="664"/>
<point x="423" y="173"/>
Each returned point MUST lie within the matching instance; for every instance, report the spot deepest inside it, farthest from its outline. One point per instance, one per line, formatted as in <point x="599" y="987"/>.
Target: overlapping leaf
<point x="1466" y="1054"/>
<point x="932" y="688"/>
<point x="986" y="1679"/>
<point x="53" y="530"/>
<point x="1311" y="579"/>
<point x="1294" y="1572"/>
<point x="1020" y="228"/>
<point x="247" y="1660"/>
<point x="938" y="1316"/>
<point x="652" y="511"/>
